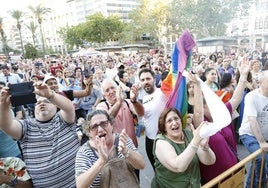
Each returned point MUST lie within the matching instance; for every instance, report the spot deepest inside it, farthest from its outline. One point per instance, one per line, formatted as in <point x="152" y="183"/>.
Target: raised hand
<point x="134" y="92"/>
<point x="5" y="97"/>
<point x="196" y="132"/>
<point x="42" y="89"/>
<point x="102" y="149"/>
<point x="119" y="94"/>
<point x="244" y="66"/>
<point x="122" y="147"/>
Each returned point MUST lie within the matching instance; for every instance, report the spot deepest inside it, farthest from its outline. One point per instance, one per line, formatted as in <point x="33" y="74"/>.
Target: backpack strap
<point x="128" y="107"/>
<point x="108" y="107"/>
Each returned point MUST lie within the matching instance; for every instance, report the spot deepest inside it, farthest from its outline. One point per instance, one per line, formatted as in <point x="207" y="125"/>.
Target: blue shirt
<point x="8" y="146"/>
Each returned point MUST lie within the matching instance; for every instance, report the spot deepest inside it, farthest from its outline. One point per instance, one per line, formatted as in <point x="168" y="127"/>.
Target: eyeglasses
<point x="103" y="125"/>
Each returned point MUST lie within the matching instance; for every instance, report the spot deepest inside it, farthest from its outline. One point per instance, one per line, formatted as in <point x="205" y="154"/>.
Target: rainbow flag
<point x="174" y="86"/>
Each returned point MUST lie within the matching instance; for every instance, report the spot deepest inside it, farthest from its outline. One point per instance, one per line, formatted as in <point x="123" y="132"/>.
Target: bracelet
<point x="51" y="97"/>
<point x="127" y="154"/>
<point x="194" y="147"/>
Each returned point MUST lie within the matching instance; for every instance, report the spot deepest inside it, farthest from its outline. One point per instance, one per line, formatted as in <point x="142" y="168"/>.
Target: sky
<point x="23" y="5"/>
<point x="9" y="5"/>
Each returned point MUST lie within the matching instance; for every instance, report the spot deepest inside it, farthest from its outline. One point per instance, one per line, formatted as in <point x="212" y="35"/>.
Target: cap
<point x="48" y="77"/>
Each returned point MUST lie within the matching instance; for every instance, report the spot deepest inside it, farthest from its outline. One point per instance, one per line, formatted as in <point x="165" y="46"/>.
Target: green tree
<point x="3" y="37"/>
<point x="206" y="17"/>
<point x="30" y="51"/>
<point x="129" y="34"/>
<point x="18" y="15"/>
<point x="39" y="12"/>
<point x="72" y="36"/>
<point x="32" y="27"/>
<point x="97" y="29"/>
<point x="202" y="17"/>
<point x="154" y="18"/>
<point x="114" y="27"/>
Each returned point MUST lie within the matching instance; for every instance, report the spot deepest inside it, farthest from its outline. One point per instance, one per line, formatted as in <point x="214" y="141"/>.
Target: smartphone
<point x="22" y="93"/>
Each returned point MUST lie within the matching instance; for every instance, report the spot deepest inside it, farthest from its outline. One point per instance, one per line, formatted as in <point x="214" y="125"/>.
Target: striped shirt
<point x="49" y="150"/>
<point x="86" y="158"/>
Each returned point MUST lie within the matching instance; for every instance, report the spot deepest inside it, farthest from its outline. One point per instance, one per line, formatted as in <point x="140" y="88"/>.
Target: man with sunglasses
<point x="49" y="141"/>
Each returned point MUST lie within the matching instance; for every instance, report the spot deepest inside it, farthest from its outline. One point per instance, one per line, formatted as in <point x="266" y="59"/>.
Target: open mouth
<point x="102" y="135"/>
<point x="175" y="128"/>
<point x="42" y="108"/>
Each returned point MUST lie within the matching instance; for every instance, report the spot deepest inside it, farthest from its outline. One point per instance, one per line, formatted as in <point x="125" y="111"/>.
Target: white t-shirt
<point x="256" y="105"/>
<point x="153" y="105"/>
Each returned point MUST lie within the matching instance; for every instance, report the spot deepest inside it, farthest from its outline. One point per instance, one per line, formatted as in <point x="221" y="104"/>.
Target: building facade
<point x="252" y="31"/>
<point x="65" y="13"/>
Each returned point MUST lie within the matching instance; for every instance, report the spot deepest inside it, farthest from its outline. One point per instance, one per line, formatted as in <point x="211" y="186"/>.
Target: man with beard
<point x="154" y="103"/>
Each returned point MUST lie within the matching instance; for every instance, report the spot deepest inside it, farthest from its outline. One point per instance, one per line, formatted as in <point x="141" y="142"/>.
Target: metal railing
<point x="234" y="177"/>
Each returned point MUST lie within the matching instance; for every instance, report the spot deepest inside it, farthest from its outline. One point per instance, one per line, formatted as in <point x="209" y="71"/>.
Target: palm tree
<point x="32" y="27"/>
<point x="17" y="15"/>
<point x="3" y="37"/>
<point x="39" y="11"/>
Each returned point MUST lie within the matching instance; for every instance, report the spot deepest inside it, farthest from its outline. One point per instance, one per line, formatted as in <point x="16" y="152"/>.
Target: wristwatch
<point x="14" y="181"/>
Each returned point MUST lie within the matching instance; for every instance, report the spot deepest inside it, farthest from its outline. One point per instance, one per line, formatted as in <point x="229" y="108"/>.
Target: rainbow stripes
<point x="174" y="86"/>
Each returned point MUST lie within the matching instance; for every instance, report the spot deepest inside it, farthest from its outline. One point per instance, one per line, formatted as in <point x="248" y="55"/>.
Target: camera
<point x="22" y="93"/>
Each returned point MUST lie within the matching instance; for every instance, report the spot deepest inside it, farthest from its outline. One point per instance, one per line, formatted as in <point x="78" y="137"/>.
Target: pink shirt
<point x="224" y="146"/>
<point x="123" y="119"/>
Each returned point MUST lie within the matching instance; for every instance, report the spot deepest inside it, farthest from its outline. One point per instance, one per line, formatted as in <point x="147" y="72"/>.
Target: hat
<point x="119" y="65"/>
<point x="48" y="77"/>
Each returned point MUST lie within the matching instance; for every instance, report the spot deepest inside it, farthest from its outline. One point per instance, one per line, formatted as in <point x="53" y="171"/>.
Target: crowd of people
<point x="86" y="106"/>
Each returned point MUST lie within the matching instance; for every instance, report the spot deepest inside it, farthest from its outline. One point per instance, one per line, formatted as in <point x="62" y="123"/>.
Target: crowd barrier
<point x="235" y="176"/>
